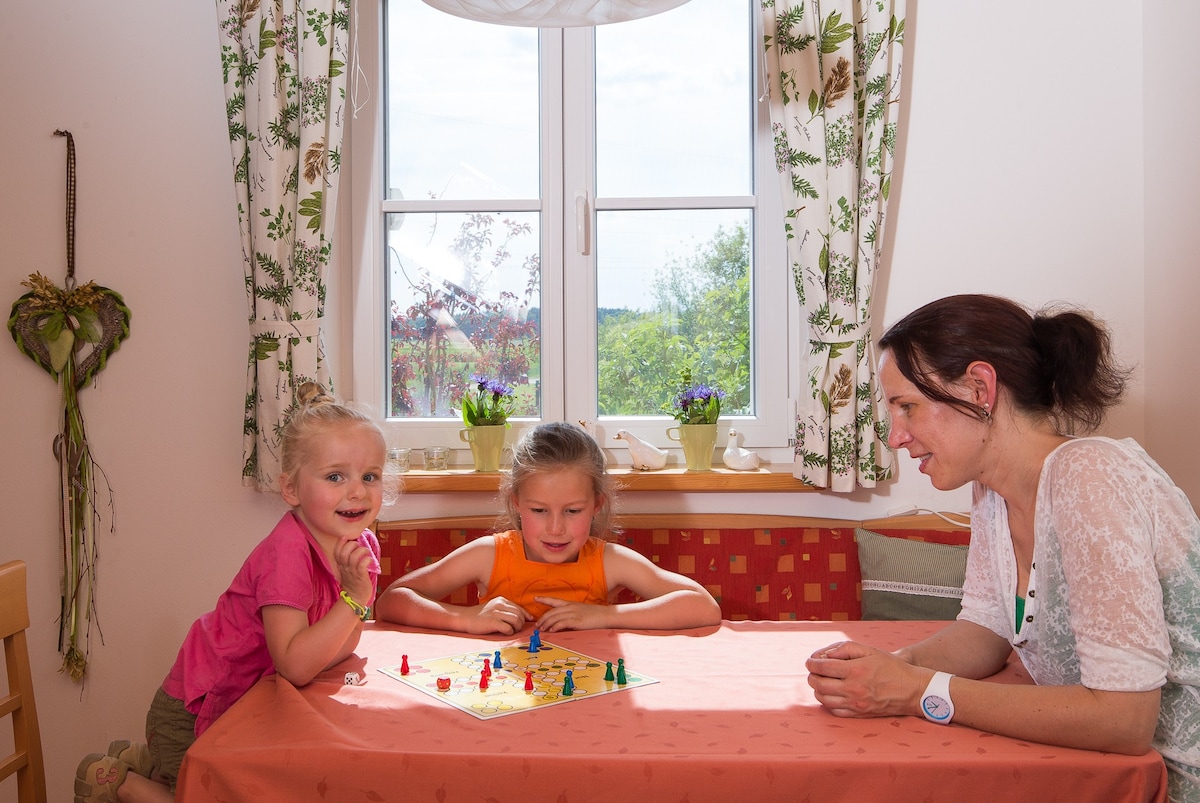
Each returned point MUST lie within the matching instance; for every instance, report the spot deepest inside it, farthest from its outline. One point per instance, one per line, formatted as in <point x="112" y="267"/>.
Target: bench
<point x="757" y="567"/>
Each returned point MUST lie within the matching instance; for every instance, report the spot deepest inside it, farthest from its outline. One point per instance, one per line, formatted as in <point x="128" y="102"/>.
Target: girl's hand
<point x="499" y="615"/>
<point x="353" y="563"/>
<point x="564" y="615"/>
<point x="854" y="680"/>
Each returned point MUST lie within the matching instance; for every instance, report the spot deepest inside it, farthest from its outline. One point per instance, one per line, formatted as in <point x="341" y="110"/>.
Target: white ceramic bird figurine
<point x="642" y="455"/>
<point x="736" y="457"/>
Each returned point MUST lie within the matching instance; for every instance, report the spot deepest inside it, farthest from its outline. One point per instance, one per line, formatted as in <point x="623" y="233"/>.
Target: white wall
<point x="1022" y="174"/>
<point x="139" y="85"/>
<point x="1171" y="259"/>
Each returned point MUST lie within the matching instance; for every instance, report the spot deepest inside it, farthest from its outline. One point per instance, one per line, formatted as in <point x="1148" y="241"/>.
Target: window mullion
<point x="553" y="358"/>
<point x="579" y="187"/>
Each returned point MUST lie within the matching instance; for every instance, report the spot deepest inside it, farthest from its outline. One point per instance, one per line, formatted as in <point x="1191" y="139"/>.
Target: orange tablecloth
<point x="732" y="719"/>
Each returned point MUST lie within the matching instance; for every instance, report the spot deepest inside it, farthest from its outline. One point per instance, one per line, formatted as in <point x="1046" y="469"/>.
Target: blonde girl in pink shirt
<point x="295" y="608"/>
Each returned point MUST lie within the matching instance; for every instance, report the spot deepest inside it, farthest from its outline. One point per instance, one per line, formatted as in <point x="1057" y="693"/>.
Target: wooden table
<point x="731" y="719"/>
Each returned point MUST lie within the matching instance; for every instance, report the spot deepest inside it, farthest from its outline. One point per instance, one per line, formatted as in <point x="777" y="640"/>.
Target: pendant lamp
<point x="553" y="13"/>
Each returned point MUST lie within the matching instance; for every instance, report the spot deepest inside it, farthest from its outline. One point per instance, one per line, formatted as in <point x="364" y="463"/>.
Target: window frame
<point x="567" y="317"/>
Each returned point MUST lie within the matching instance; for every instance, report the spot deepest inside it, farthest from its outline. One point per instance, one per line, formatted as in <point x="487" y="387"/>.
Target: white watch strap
<point x="936" y="704"/>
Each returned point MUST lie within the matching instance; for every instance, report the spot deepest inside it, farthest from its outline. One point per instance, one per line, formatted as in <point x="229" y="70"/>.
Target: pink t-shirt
<point x="225" y="651"/>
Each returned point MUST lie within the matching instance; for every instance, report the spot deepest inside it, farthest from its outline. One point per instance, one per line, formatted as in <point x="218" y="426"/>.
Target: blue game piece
<point x="496" y="661"/>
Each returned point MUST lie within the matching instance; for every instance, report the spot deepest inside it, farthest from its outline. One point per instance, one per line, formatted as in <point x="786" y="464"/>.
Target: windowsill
<point x="671" y="479"/>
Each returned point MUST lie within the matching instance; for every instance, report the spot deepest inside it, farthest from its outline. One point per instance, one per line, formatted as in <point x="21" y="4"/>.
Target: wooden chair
<point x="26" y="759"/>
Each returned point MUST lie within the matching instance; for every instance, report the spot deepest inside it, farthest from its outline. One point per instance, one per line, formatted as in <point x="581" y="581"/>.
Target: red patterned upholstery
<point x="776" y="573"/>
<point x="402" y="550"/>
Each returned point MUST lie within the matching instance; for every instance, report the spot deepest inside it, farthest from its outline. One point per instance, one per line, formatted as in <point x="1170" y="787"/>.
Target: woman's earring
<point x="986" y="413"/>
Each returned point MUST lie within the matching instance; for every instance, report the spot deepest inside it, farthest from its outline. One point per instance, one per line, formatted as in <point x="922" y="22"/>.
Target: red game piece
<point x="483" y="684"/>
<point x="443" y="684"/>
<point x="487" y="669"/>
<point x="403" y="664"/>
<point x="528" y="681"/>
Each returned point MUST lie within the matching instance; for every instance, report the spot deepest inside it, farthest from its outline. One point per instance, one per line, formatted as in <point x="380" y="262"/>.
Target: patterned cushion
<point x="402" y="550"/>
<point x="780" y="574"/>
<point x="909" y="579"/>
<point x="777" y="573"/>
<point x="789" y="573"/>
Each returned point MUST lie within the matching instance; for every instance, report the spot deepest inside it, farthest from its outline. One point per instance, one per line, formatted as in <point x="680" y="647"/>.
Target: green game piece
<point x="608" y="673"/>
<point x="621" y="679"/>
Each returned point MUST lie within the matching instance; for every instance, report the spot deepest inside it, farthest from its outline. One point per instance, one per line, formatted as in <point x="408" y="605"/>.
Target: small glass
<point x="398" y="459"/>
<point x="435" y="458"/>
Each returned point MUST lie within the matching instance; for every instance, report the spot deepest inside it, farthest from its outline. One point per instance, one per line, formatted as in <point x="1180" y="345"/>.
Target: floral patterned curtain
<point x="833" y="68"/>
<point x="285" y="80"/>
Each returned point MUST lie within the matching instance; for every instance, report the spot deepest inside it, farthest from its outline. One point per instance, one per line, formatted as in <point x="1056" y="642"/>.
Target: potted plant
<point x="696" y="407"/>
<point x="485" y="411"/>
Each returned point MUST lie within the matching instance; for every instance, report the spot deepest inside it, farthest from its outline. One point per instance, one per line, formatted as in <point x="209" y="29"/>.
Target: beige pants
<point x="170" y="731"/>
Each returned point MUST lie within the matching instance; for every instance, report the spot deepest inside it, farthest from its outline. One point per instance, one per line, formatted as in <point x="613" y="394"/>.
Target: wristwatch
<point x="936" y="704"/>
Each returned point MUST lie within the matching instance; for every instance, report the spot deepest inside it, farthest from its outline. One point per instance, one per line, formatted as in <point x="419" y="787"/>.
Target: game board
<point x="507" y="693"/>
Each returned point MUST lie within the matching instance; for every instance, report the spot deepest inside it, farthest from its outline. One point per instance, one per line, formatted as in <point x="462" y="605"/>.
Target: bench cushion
<point x="909" y="579"/>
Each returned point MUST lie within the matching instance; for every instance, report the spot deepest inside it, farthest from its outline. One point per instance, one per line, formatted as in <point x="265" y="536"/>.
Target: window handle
<point x="583" y="221"/>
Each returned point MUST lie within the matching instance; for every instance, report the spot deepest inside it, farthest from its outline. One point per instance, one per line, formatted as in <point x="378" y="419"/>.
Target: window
<point x="581" y="213"/>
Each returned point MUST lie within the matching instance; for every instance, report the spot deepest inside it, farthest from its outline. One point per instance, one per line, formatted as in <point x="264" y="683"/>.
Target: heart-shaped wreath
<point x="71" y="332"/>
<point x="53" y="325"/>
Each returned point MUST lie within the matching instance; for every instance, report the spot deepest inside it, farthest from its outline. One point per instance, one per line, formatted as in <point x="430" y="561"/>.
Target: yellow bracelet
<point x="359" y="611"/>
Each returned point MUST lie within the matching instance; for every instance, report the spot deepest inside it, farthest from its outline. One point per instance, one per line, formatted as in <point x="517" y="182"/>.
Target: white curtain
<point x="285" y="65"/>
<point x="833" y="69"/>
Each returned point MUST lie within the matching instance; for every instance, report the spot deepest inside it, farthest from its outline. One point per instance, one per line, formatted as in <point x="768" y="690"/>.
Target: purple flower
<point x="698" y="404"/>
<point x="492" y="403"/>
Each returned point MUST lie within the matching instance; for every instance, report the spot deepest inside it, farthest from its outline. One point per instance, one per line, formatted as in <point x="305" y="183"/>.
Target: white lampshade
<point x="553" y="13"/>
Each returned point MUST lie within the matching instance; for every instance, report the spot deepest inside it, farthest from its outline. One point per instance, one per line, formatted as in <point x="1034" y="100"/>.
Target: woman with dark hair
<point x="1084" y="556"/>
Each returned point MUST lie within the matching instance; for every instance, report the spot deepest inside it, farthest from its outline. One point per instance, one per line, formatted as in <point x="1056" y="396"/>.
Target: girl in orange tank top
<point x="553" y="566"/>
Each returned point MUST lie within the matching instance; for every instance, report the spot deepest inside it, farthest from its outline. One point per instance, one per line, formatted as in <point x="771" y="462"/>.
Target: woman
<point x="1084" y="555"/>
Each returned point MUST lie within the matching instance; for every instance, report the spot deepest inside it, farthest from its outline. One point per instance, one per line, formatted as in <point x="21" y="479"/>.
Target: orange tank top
<point x="519" y="579"/>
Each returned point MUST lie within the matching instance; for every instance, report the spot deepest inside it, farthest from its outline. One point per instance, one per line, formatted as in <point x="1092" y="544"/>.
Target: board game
<point x="518" y="677"/>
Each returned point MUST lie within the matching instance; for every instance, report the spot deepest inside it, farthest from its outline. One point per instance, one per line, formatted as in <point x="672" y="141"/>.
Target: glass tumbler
<point x="398" y="459"/>
<point x="435" y="458"/>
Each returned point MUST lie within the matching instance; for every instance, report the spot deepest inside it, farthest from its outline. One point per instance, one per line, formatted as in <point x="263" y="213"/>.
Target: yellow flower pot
<point x="487" y="444"/>
<point x="698" y="441"/>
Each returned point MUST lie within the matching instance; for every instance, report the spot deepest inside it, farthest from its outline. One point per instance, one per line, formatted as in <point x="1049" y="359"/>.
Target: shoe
<point x="135" y="754"/>
<point x="98" y="777"/>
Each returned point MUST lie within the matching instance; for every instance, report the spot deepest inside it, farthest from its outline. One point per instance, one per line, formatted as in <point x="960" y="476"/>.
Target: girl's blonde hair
<point x="316" y="412"/>
<point x="553" y="447"/>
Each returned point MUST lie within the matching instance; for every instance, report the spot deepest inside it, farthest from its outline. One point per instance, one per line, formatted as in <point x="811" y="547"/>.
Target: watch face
<point x="937" y="708"/>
